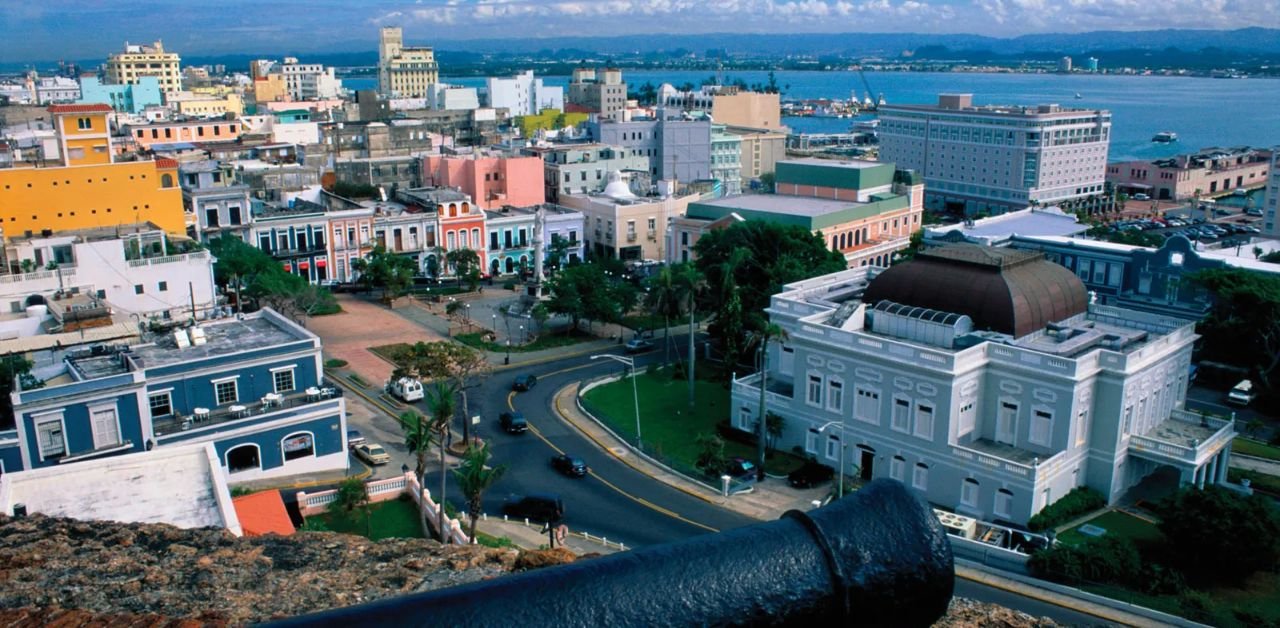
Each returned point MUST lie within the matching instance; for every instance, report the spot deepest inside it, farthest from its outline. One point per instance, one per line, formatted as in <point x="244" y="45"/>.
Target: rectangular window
<point x="1041" y="427"/>
<point x="1128" y="420"/>
<point x="106" y="429"/>
<point x="833" y="448"/>
<point x="901" y="415"/>
<point x="163" y="286"/>
<point x="815" y="390"/>
<point x="920" y="477"/>
<point x="924" y="421"/>
<point x="137" y="289"/>
<point x="84" y="124"/>
<point x="744" y="418"/>
<point x="161" y="403"/>
<point x="1082" y="428"/>
<point x="226" y="392"/>
<point x="282" y="380"/>
<point x="969" y="493"/>
<point x="866" y="406"/>
<point x="51" y="440"/>
<point x="968" y="418"/>
<point x="811" y="442"/>
<point x="835" y="395"/>
<point x="1004" y="503"/>
<point x="897" y="468"/>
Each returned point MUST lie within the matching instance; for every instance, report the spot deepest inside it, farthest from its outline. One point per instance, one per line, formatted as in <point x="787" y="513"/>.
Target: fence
<point x="383" y="490"/>
<point x="590" y="538"/>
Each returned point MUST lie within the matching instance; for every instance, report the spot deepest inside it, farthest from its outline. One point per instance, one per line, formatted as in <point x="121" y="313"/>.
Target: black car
<point x="571" y="466"/>
<point x="638" y="345"/>
<point x="537" y="507"/>
<point x="525" y="382"/>
<point x="513" y="422"/>
<point x="810" y="475"/>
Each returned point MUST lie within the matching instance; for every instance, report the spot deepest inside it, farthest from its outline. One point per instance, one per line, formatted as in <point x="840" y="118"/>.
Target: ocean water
<point x="1202" y="111"/>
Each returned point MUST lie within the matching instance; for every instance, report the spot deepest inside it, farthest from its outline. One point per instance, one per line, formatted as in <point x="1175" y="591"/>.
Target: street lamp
<point x="631" y="363"/>
<point x="522" y="338"/>
<point x="840" y="482"/>
<point x="508" y="358"/>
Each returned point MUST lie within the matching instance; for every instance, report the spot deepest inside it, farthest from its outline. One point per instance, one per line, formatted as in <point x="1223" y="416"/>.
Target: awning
<point x="320" y="263"/>
<point x="304" y="265"/>
<point x="288" y="268"/>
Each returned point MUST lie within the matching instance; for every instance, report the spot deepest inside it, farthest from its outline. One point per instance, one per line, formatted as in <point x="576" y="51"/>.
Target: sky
<point x="40" y="30"/>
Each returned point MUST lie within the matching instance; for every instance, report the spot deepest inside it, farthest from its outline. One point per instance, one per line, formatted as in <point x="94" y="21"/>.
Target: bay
<point x="1203" y="112"/>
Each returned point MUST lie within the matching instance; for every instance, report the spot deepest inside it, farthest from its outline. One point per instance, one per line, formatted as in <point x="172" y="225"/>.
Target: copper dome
<point x="1005" y="290"/>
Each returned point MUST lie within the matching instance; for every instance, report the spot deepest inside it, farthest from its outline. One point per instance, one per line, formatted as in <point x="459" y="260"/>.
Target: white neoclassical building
<point x="985" y="379"/>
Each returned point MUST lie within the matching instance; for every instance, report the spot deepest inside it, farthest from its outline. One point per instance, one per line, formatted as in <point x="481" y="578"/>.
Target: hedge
<point x="1079" y="501"/>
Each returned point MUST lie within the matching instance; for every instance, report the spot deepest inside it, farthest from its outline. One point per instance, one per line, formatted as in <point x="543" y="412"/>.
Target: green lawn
<point x="1117" y="523"/>
<point x="1259" y="596"/>
<point x="1260" y="481"/>
<point x="543" y="341"/>
<point x="1256" y="448"/>
<point x="669" y="426"/>
<point x="390" y="519"/>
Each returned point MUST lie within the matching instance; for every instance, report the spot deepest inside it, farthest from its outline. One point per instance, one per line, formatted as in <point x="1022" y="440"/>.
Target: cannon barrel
<point x="876" y="558"/>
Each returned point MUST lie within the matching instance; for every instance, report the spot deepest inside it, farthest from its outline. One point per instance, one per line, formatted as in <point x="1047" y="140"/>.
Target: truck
<point x="406" y="389"/>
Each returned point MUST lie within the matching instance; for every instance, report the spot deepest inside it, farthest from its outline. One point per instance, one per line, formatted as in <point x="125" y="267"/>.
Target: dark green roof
<point x="834" y="174"/>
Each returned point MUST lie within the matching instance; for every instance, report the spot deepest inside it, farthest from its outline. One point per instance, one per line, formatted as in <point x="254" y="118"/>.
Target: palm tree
<point x="443" y="405"/>
<point x="417" y="439"/>
<point x="768" y="333"/>
<point x="690" y="282"/>
<point x="474" y="478"/>
<point x="663" y="298"/>
<point x="352" y="496"/>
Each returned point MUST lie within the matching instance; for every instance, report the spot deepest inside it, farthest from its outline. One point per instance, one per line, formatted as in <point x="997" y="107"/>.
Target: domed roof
<point x="618" y="189"/>
<point x="1005" y="290"/>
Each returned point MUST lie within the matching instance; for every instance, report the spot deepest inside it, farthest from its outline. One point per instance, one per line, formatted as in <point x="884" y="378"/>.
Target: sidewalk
<point x="767" y="501"/>
<point x="532" y="537"/>
<point x="1253" y="463"/>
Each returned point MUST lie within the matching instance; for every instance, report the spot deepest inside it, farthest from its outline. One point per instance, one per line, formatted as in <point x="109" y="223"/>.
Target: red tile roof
<point x="84" y="108"/>
<point x="263" y="513"/>
<point x="165" y="162"/>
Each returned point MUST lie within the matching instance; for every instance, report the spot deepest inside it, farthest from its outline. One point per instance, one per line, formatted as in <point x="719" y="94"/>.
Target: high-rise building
<point x="1064" y="65"/>
<point x="309" y="81"/>
<point x="522" y="94"/>
<point x="139" y="60"/>
<point x="404" y="72"/>
<point x="1091" y="64"/>
<point x="997" y="158"/>
<point x="604" y="93"/>
<point x="1271" y="199"/>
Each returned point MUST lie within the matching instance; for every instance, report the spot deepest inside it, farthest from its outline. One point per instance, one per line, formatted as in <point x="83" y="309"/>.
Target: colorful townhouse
<point x="492" y="181"/>
<point x="89" y="188"/>
<point x="250" y="385"/>
<point x="510" y="239"/>
<point x="215" y="130"/>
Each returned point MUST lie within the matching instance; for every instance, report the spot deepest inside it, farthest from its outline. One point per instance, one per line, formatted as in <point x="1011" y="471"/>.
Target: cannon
<point x="876" y="558"/>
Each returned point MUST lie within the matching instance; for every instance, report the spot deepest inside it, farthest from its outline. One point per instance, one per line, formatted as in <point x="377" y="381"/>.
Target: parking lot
<point x="1212" y="223"/>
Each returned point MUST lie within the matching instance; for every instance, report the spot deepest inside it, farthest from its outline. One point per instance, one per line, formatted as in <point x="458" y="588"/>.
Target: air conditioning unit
<point x="957" y="525"/>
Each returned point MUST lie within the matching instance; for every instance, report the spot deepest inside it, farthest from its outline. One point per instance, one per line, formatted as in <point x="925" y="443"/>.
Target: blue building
<point x="252" y="386"/>
<point x="122" y="98"/>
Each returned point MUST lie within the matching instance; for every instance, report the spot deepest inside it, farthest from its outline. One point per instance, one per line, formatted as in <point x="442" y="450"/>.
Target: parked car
<point x="406" y="389"/>
<point x="1221" y="212"/>
<point x="1242" y="394"/>
<point x="537" y="507"/>
<point x="638" y="345"/>
<point x="571" y="466"/>
<point x="1141" y="197"/>
<point x="1254" y="211"/>
<point x="354" y="437"/>
<point x="525" y="382"/>
<point x="742" y="468"/>
<point x="1252" y="230"/>
<point x="513" y="422"/>
<point x="811" y="474"/>
<point x="372" y="453"/>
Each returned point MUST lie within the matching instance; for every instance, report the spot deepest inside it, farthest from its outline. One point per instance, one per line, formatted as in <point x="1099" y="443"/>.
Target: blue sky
<point x="51" y="29"/>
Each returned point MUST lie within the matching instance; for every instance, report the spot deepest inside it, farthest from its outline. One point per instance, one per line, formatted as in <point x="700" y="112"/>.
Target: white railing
<point x="1224" y="431"/>
<point x="378" y="490"/>
<point x="66" y="272"/>
<point x="168" y="259"/>
<point x="430" y="511"/>
<point x="586" y="536"/>
<point x="997" y="463"/>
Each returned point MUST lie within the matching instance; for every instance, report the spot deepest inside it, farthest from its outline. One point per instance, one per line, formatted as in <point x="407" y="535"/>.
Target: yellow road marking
<point x="639" y="500"/>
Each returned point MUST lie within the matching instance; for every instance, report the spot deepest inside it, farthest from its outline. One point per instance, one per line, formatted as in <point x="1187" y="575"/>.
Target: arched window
<point x="298" y="445"/>
<point x="166" y="180"/>
<point x="511" y="266"/>
<point x="243" y="458"/>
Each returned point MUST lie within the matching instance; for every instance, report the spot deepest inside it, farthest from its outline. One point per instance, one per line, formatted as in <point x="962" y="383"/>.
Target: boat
<point x="1165" y="137"/>
<point x="1078" y="96"/>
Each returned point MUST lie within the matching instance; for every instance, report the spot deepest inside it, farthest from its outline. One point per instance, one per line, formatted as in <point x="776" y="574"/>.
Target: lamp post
<point x="522" y="338"/>
<point x="507" y="360"/>
<point x="840" y="473"/>
<point x="631" y="363"/>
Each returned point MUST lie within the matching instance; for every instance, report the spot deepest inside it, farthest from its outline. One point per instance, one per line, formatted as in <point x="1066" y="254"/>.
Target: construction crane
<point x="867" y="84"/>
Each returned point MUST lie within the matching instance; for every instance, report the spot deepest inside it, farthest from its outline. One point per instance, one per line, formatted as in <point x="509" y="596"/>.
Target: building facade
<point x="216" y="203"/>
<point x="583" y="168"/>
<point x="404" y="72"/>
<point x="460" y="224"/>
<point x="309" y="81"/>
<point x="250" y="385"/>
<point x="678" y="148"/>
<point x="983" y="406"/>
<point x="761" y="150"/>
<point x="139" y="60"/>
<point x="726" y="160"/>
<point x="994" y="159"/>
<point x="619" y="224"/>
<point x="603" y="93"/>
<point x="522" y="94"/>
<point x="123" y="98"/>
<point x="1210" y="172"/>
<point x="510" y="233"/>
<point x="184" y="131"/>
<point x="492" y="181"/>
<point x="728" y="105"/>
<point x="1271" y="198"/>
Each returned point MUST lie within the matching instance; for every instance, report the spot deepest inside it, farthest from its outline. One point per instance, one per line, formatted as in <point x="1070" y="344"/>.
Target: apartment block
<point x="522" y="94"/>
<point x="139" y="60"/>
<point x="728" y="105"/>
<point x="620" y="224"/>
<point x="583" y="168"/>
<point x="997" y="158"/>
<point x="126" y="98"/>
<point x="603" y="92"/>
<point x="184" y="131"/>
<point x="985" y="380"/>
<point x="404" y="71"/>
<point x="1209" y="172"/>
<point x="677" y="146"/>
<point x="1271" y="198"/>
<point x="491" y="180"/>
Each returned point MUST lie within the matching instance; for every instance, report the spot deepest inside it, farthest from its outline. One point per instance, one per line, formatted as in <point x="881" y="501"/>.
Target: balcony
<point x="253" y="412"/>
<point x="631" y="236"/>
<point x="168" y="259"/>
<point x="298" y="252"/>
<point x="779" y="392"/>
<point x="1004" y="458"/>
<point x="1184" y="437"/>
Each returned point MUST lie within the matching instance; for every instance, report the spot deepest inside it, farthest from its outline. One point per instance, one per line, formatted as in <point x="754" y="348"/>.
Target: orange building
<point x="461" y="222"/>
<point x="212" y="130"/>
<point x="90" y="189"/>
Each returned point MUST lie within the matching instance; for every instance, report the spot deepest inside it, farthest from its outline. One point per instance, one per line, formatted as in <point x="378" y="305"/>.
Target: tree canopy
<point x="1220" y="536"/>
<point x="585" y="292"/>
<point x="771" y="255"/>
<point x="387" y="270"/>
<point x="253" y="274"/>
<point x="1246" y="306"/>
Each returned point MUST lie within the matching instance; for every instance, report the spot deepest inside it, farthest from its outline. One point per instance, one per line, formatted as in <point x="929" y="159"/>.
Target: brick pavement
<point x="361" y="325"/>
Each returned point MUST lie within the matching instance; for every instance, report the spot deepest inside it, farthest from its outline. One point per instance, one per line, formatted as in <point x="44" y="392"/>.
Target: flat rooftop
<point x="850" y="164"/>
<point x="1026" y="222"/>
<point x="782" y="204"/>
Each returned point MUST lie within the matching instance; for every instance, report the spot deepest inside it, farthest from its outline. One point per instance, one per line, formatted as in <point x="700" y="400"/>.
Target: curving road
<point x="615" y="501"/>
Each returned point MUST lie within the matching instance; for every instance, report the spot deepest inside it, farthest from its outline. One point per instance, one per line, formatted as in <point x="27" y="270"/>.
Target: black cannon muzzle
<point x="876" y="558"/>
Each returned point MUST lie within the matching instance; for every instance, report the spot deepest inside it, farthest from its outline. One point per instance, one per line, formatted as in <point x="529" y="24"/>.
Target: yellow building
<point x="270" y="88"/>
<point x="139" y="60"/>
<point x="404" y="72"/>
<point x="204" y="105"/>
<point x="89" y="189"/>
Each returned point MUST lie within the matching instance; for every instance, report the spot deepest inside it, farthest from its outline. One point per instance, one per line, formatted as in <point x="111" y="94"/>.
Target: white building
<point x="442" y="97"/>
<point x="522" y="94"/>
<point x="984" y="379"/>
<point x="997" y="158"/>
<point x="309" y="81"/>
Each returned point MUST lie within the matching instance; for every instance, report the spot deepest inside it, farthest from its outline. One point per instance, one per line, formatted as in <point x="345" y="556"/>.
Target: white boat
<point x="1165" y="137"/>
<point x="1078" y="96"/>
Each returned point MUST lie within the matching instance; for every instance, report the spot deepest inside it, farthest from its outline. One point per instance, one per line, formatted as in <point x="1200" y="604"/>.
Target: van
<point x="537" y="507"/>
<point x="1242" y="394"/>
<point x="406" y="389"/>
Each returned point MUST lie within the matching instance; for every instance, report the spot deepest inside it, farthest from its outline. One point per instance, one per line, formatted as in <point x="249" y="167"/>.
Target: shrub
<point x="1079" y="501"/>
<point x="1196" y="605"/>
<point x="1107" y="559"/>
<point x="1220" y="536"/>
<point x="334" y="363"/>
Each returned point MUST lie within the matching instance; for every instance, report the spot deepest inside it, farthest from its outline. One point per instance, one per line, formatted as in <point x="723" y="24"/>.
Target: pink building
<point x="490" y="181"/>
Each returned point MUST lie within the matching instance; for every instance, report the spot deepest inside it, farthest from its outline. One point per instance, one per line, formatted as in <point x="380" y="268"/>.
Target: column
<point x="1224" y="459"/>
<point x="1213" y="470"/>
<point x="1200" y="473"/>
